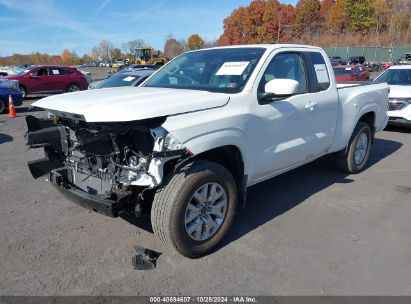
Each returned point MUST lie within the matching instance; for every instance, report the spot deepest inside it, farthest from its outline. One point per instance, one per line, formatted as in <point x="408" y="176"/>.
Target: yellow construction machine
<point x="148" y="56"/>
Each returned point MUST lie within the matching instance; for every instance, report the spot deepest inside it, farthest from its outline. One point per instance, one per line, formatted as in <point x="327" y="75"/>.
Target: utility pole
<point x="279" y="25"/>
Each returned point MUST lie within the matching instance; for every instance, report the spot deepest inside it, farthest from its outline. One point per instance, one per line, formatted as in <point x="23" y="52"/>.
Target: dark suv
<point x="356" y="60"/>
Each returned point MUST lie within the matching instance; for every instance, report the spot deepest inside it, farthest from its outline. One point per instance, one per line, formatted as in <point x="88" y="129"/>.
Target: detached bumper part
<point x="44" y="133"/>
<point x="108" y="207"/>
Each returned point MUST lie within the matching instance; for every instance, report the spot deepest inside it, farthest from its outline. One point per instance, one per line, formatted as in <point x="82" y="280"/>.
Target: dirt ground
<point x="312" y="231"/>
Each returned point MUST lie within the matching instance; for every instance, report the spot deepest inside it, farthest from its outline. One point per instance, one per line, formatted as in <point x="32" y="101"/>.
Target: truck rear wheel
<point x="355" y="157"/>
<point x="195" y="208"/>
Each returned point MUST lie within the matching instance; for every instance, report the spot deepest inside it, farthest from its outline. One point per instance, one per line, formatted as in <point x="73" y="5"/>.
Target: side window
<point x="286" y="66"/>
<point x="67" y="72"/>
<point x="56" y="72"/>
<point x="320" y="80"/>
<point x="42" y="72"/>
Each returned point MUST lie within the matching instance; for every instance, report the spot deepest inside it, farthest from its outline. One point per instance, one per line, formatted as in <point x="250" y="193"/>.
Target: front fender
<point x="226" y="137"/>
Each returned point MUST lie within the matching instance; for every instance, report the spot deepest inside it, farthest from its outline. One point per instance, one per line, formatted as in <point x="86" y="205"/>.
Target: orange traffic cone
<point x="12" y="110"/>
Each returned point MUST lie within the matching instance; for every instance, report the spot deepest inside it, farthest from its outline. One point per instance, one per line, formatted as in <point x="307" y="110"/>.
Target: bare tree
<point x="129" y="46"/>
<point x="105" y="48"/>
<point x="173" y="47"/>
<point x="95" y="53"/>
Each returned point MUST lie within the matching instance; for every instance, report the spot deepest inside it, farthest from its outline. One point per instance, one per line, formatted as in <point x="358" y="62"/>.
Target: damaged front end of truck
<point x="111" y="167"/>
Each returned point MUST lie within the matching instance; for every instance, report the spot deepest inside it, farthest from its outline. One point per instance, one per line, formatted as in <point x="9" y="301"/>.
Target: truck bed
<point x="355" y="100"/>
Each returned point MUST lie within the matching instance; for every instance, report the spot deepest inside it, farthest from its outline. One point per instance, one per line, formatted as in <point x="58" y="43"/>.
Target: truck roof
<point x="400" y="67"/>
<point x="267" y="46"/>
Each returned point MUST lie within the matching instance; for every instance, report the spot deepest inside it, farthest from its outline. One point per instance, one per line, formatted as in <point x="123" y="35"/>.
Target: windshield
<point x="342" y="71"/>
<point x="218" y="70"/>
<point x="395" y="77"/>
<point x="118" y="80"/>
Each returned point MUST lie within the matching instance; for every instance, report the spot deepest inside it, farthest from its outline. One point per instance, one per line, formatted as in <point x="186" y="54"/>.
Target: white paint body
<point x="272" y="138"/>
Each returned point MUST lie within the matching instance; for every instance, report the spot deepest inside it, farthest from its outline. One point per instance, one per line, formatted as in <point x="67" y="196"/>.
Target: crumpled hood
<point x="400" y="91"/>
<point x="131" y="103"/>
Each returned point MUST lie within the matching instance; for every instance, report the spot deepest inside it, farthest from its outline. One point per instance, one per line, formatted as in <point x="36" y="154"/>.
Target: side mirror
<point x="278" y="88"/>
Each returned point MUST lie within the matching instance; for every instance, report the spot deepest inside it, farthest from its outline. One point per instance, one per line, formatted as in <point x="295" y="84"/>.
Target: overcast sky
<point x="49" y="26"/>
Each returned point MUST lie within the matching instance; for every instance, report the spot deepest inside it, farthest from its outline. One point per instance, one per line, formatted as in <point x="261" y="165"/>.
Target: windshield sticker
<point x="322" y="74"/>
<point x="232" y="68"/>
<point x="348" y="69"/>
<point x="56" y="72"/>
<point x="129" y="78"/>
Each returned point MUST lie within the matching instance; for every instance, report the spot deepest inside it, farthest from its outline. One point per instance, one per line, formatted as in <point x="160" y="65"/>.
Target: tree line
<point x="106" y="50"/>
<point x="324" y="23"/>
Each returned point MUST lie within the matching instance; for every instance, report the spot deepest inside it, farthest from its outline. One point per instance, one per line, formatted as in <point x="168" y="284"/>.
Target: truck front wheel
<point x="195" y="208"/>
<point x="354" y="158"/>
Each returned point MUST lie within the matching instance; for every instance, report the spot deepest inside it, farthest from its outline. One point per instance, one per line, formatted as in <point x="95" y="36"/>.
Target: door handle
<point x="310" y="105"/>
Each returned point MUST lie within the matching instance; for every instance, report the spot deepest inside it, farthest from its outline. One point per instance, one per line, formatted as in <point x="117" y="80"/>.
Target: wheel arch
<point x="230" y="157"/>
<point x="367" y="117"/>
<point x="24" y="87"/>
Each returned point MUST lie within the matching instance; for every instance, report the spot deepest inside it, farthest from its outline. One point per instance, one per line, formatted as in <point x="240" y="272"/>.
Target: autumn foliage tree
<point x="307" y="18"/>
<point x="260" y="22"/>
<point x="195" y="42"/>
<point x="324" y="22"/>
<point x="173" y="47"/>
<point x="115" y="53"/>
<point x="66" y="57"/>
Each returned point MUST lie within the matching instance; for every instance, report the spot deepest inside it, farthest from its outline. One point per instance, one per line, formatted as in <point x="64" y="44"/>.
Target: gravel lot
<point x="312" y="231"/>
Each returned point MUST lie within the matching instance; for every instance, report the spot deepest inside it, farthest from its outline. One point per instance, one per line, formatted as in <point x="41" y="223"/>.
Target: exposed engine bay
<point x="107" y="165"/>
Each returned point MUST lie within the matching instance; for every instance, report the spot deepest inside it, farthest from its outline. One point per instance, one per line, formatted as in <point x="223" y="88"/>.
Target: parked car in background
<point x="49" y="79"/>
<point x="123" y="79"/>
<point x="118" y="64"/>
<point x="406" y="59"/>
<point x="335" y="60"/>
<point x="351" y="73"/>
<point x="9" y="88"/>
<point x="399" y="79"/>
<point x="10" y="70"/>
<point x="356" y="60"/>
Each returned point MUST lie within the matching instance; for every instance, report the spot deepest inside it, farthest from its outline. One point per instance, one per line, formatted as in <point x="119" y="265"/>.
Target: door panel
<point x="289" y="131"/>
<point x="38" y="82"/>
<point x="56" y="79"/>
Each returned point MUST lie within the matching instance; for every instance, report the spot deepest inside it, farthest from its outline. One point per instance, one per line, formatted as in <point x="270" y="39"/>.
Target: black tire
<point x="2" y="106"/>
<point x="23" y="92"/>
<point x="169" y="207"/>
<point x="73" y="87"/>
<point x="345" y="160"/>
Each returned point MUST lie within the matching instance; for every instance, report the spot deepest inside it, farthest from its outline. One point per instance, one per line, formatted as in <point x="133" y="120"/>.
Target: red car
<point x="351" y="73"/>
<point x="49" y="79"/>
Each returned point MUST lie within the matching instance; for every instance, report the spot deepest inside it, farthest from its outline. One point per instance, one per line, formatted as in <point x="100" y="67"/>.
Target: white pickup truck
<point x="185" y="145"/>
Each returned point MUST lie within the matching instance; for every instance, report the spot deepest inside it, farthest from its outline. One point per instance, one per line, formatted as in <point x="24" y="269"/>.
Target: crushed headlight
<point x="171" y="143"/>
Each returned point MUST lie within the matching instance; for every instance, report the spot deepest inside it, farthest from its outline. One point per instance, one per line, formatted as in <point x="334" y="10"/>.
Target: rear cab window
<point x="319" y="75"/>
